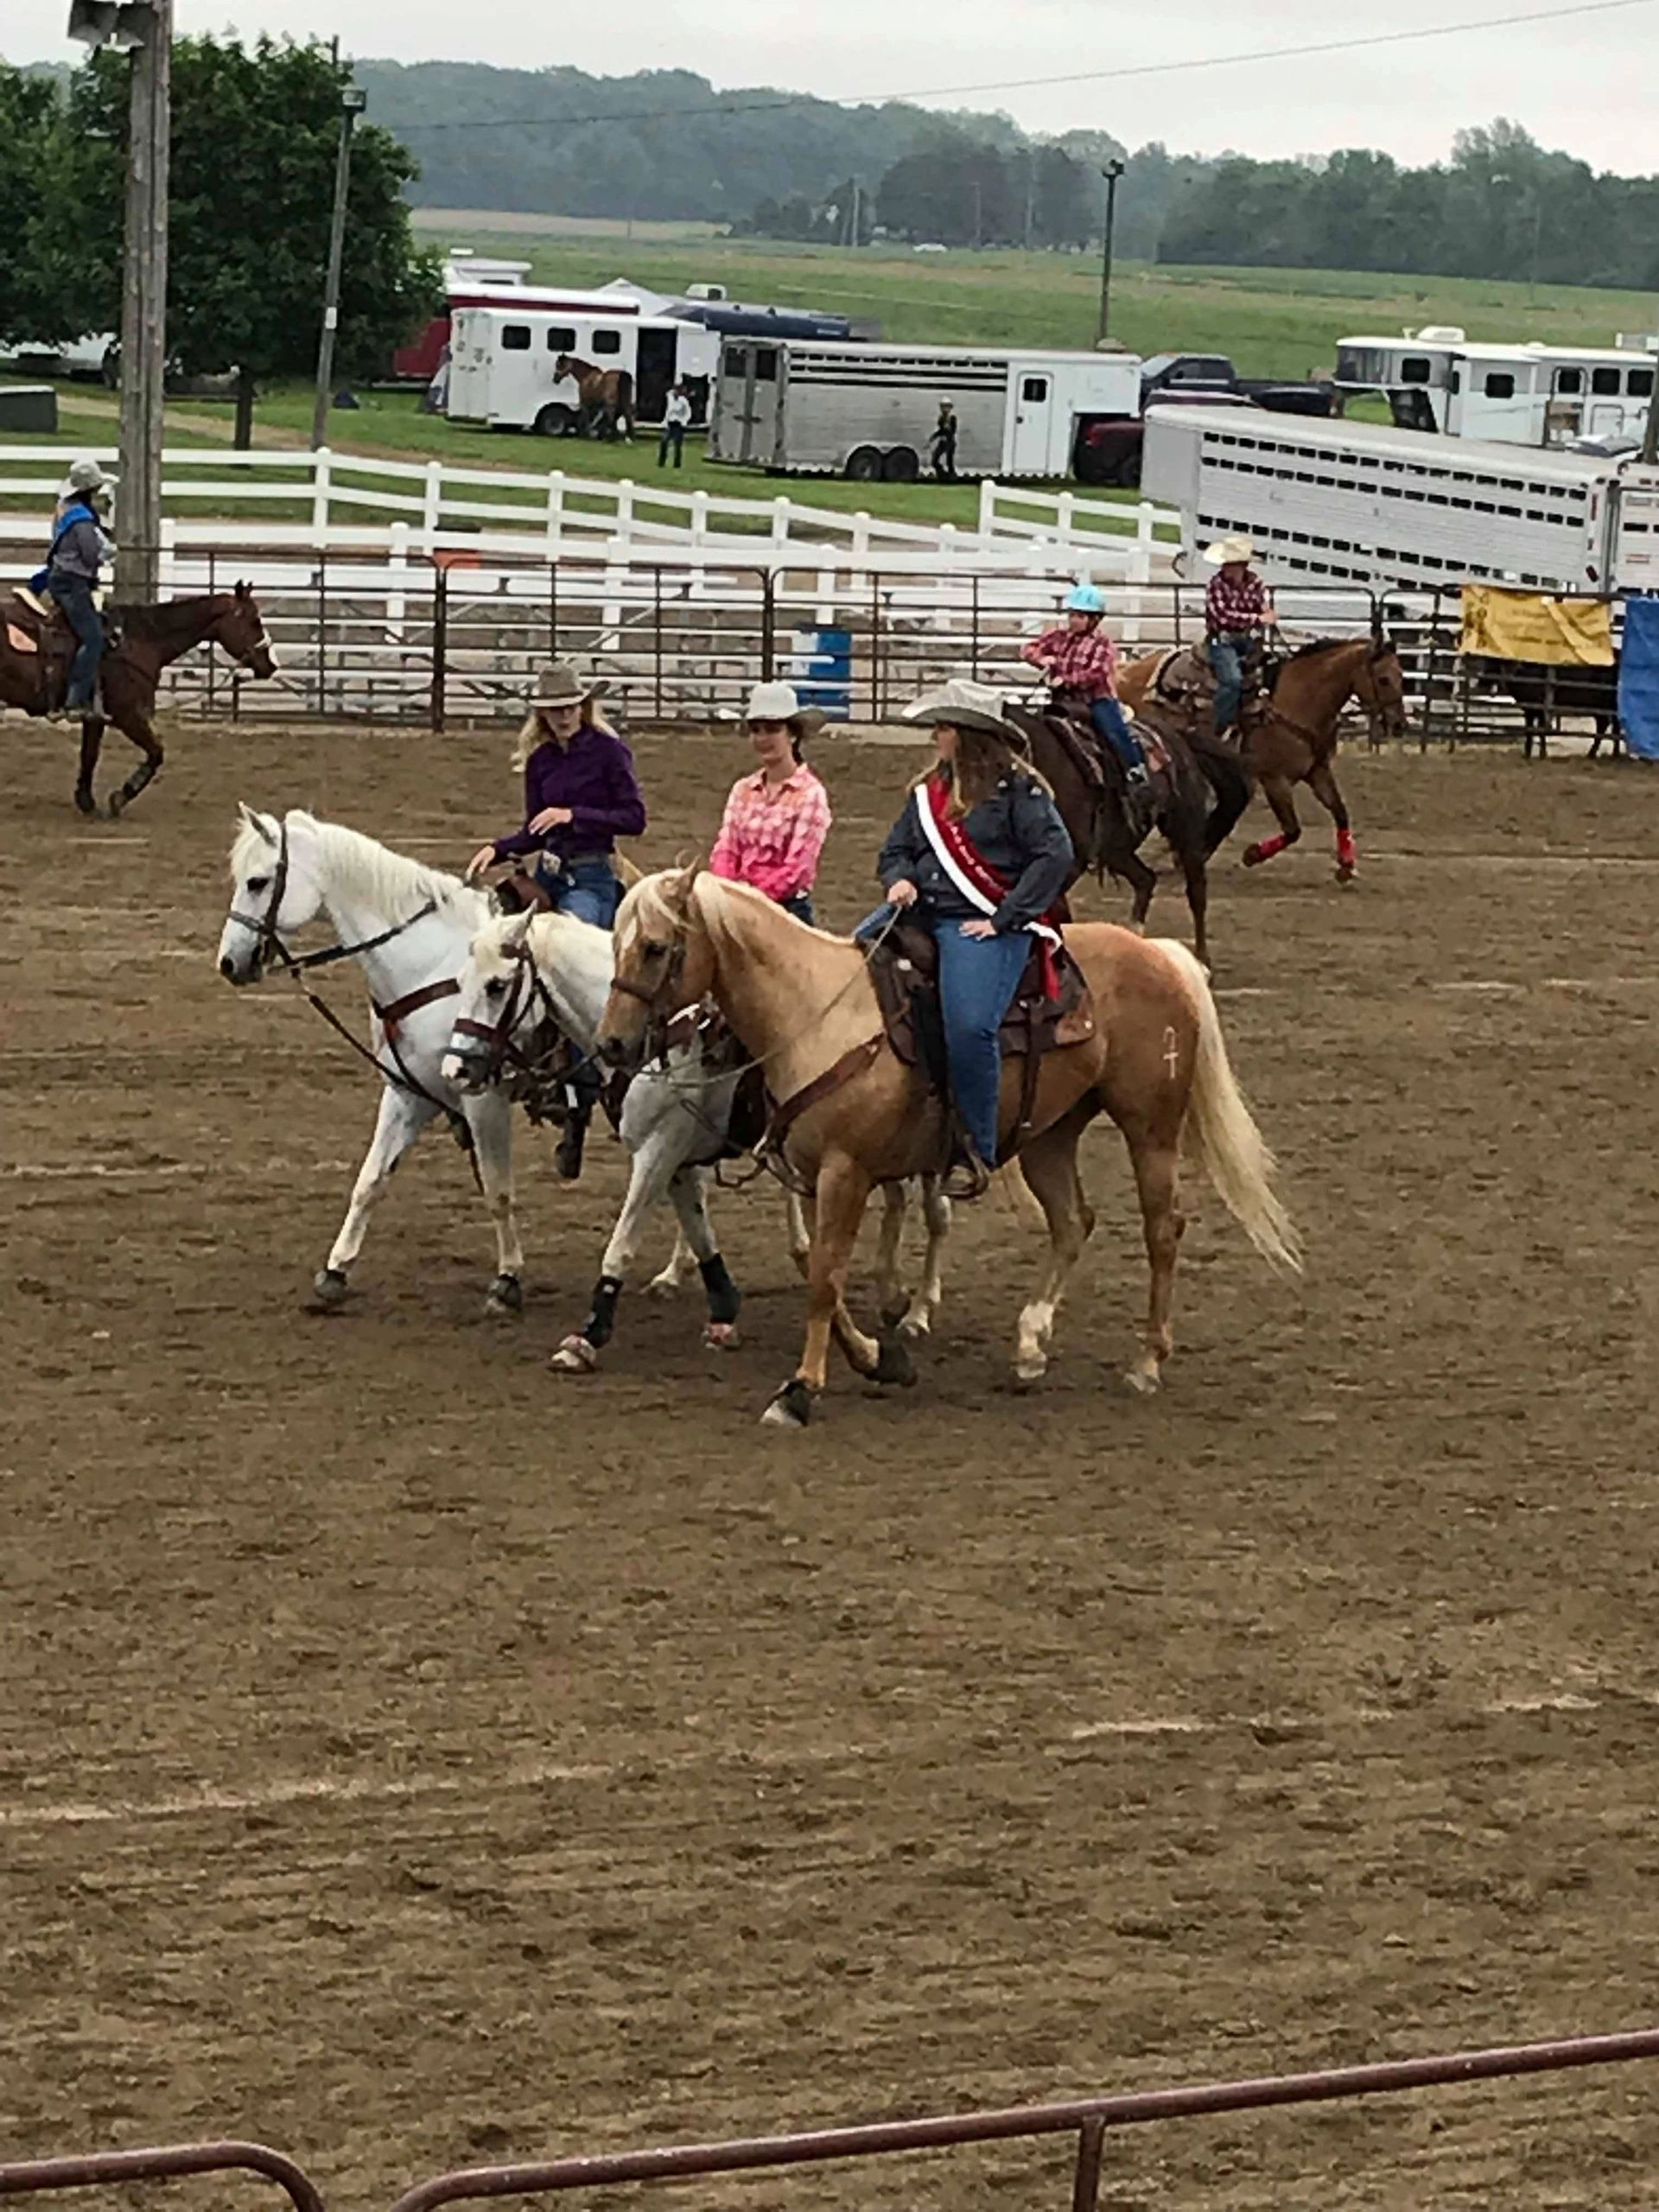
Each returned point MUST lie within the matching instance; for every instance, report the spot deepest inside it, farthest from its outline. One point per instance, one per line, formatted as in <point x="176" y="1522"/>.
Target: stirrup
<point x="966" y="1179"/>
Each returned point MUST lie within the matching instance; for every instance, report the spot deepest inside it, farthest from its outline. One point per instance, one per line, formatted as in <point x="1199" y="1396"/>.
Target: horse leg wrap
<point x="1347" y="856"/>
<point x="145" y="773"/>
<point x="600" y="1324"/>
<point x="1265" y="851"/>
<point x="895" y="1366"/>
<point x="724" y="1296"/>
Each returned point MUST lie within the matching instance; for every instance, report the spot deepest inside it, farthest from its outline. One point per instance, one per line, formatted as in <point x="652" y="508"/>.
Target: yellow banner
<point x="1529" y="626"/>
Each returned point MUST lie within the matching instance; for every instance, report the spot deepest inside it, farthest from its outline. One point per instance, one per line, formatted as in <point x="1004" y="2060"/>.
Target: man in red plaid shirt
<point x="1236" y="613"/>
<point x="1080" y="662"/>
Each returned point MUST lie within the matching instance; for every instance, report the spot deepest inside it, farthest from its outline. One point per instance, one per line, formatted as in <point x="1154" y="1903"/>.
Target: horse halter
<point x="267" y="941"/>
<point x="655" y="1040"/>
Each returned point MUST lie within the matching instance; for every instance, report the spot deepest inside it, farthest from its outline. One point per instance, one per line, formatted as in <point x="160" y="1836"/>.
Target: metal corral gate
<point x="1090" y="2120"/>
<point x="453" y="638"/>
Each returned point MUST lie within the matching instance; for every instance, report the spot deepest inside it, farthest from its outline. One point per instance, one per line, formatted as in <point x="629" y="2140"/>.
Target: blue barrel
<point x="820" y="669"/>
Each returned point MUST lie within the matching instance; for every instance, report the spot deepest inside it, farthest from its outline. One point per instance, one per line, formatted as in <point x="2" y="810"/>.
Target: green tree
<point x="31" y="305"/>
<point x="255" y="134"/>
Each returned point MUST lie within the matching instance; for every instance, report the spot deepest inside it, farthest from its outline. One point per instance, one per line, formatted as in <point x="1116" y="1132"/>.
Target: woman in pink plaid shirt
<point x="776" y="820"/>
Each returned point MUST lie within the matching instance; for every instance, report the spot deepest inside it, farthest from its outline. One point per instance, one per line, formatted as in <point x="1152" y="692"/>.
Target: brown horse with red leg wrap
<point x="853" y="1116"/>
<point x="1289" y="731"/>
<point x="35" y="653"/>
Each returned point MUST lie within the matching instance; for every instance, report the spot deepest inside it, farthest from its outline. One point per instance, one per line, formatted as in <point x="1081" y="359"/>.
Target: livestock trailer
<point x="503" y="358"/>
<point x="1355" y="503"/>
<point x="800" y="408"/>
<point x="1533" y="395"/>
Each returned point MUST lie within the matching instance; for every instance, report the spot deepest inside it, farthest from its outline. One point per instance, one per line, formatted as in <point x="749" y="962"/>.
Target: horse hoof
<point x="330" y="1289"/>
<point x="575" y="1356"/>
<point x="790" y="1408"/>
<point x="895" y="1367"/>
<point x="1028" y="1373"/>
<point x="720" y="1336"/>
<point x="916" y="1325"/>
<point x="504" y="1295"/>
<point x="1254" y="856"/>
<point x="1145" y="1381"/>
<point x="1346" y="876"/>
<point x="894" y="1316"/>
<point x="662" y="1285"/>
<point x="85" y="802"/>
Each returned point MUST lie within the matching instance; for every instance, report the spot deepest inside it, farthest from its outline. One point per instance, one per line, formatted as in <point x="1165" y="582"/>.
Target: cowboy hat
<point x="561" y="684"/>
<point x="86" y="475"/>
<point x="967" y="705"/>
<point x="1227" y="551"/>
<point x="780" y="702"/>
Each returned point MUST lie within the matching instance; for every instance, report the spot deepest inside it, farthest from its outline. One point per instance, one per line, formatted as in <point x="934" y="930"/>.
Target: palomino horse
<point x="802" y="1002"/>
<point x="604" y="396"/>
<point x="1290" y="737"/>
<point x="1196" y="800"/>
<point x="675" y="1121"/>
<point x="150" y="639"/>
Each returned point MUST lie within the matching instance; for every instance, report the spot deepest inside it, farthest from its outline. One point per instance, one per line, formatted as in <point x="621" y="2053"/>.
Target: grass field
<point x="1272" y="321"/>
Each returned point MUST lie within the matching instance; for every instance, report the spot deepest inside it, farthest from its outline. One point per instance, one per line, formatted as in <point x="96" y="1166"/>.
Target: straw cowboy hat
<point x="780" y="702"/>
<point x="561" y="684"/>
<point x="966" y="705"/>
<point x="1228" y="550"/>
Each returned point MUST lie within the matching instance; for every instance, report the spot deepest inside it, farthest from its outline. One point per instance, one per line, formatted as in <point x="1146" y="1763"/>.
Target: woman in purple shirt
<point x="580" y="795"/>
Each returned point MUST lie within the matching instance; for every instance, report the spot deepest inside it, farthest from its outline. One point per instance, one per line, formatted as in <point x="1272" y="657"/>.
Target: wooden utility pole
<point x="352" y="105"/>
<point x="145" y="28"/>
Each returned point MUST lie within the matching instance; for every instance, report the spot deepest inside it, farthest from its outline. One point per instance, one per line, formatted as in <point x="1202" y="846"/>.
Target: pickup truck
<point x="1108" y="448"/>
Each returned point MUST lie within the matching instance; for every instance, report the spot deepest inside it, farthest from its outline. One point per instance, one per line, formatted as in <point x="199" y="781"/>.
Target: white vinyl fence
<point x="333" y="504"/>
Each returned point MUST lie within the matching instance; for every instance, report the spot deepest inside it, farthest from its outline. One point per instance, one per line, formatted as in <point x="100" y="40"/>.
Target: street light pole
<point x="352" y="105"/>
<point x="1112" y="171"/>
<point x="144" y="28"/>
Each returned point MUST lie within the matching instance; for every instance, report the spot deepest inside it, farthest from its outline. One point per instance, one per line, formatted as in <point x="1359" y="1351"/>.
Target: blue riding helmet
<point x="1086" y="599"/>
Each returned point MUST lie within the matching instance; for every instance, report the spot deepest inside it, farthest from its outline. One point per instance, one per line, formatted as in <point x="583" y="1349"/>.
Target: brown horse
<point x="1197" y="795"/>
<point x="35" y="658"/>
<point x="803" y="1003"/>
<point x="604" y="396"/>
<point x="1290" y="735"/>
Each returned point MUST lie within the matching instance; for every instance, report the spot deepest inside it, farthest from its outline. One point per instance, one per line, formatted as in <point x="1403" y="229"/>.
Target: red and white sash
<point x="980" y="884"/>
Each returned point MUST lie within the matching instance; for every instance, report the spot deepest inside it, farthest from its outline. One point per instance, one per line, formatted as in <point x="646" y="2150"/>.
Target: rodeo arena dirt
<point x="416" y="1760"/>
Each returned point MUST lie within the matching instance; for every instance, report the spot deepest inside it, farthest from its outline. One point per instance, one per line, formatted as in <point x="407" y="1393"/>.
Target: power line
<point x="1030" y="84"/>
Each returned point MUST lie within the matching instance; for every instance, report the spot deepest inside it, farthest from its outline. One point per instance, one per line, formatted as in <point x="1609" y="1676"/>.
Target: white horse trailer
<point x="504" y="357"/>
<point x="807" y="407"/>
<point x="1351" y="503"/>
<point x="1434" y="379"/>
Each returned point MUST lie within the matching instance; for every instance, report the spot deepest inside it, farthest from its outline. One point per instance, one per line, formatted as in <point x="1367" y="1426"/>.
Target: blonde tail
<point x="1224" y="1140"/>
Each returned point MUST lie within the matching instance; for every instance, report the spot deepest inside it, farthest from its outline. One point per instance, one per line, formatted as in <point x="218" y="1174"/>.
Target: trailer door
<point x="1034" y="398"/>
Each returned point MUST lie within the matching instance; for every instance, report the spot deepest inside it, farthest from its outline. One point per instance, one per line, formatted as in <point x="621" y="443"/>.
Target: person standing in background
<point x="676" y="417"/>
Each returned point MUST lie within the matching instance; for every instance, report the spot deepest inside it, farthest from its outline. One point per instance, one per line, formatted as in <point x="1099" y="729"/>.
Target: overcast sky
<point x="1586" y="85"/>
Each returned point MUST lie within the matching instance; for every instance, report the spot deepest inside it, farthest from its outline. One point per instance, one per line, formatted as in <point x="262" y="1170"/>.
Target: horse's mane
<point x="720" y="890"/>
<point x="141" y="618"/>
<point x="647" y="906"/>
<point x="363" y="867"/>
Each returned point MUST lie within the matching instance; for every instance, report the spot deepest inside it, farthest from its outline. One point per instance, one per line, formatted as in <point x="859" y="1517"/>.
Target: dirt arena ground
<point x="411" y="1759"/>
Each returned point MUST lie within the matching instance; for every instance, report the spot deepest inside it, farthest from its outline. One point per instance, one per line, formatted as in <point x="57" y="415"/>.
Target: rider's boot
<point x="567" y="1158"/>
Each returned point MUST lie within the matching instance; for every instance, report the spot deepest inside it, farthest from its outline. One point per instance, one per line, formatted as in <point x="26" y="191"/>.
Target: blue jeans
<point x="1112" y="727"/>
<point x="978" y="977"/>
<point x="75" y="596"/>
<point x="589" y="890"/>
<point x="1227" y="658"/>
<point x="798" y="903"/>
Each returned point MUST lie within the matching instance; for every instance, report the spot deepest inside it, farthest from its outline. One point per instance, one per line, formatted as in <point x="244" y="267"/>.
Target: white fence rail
<point x="334" y="504"/>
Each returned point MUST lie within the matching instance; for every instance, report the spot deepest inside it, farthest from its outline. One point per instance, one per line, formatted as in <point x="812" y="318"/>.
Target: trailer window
<point x="1603" y="381"/>
<point x="1639" y="384"/>
<point x="1416" y="368"/>
<point x="515" y="337"/>
<point x="608" y="341"/>
<point x="561" y="338"/>
<point x="1569" y="383"/>
<point x="765" y="364"/>
<point x="1500" y="384"/>
<point x="1034" y="388"/>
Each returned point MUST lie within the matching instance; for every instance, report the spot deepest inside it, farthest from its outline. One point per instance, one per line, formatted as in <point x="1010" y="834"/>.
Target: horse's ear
<point x="517" y="928"/>
<point x="687" y="878"/>
<point x="262" y="824"/>
<point x="242" y="591"/>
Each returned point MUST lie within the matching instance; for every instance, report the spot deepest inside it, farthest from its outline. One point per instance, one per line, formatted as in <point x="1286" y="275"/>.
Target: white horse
<point x="409" y="927"/>
<point x="675" y="1122"/>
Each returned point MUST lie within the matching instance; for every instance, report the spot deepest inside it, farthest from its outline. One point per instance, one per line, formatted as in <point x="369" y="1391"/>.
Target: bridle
<point x="501" y="1052"/>
<point x="268" y="942"/>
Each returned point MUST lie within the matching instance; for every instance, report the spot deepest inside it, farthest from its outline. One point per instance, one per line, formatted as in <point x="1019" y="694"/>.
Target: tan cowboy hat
<point x="967" y="705"/>
<point x="1228" y="550"/>
<point x="561" y="684"/>
<point x="780" y="703"/>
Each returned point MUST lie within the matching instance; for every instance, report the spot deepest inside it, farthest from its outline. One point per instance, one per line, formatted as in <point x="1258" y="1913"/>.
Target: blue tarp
<point x="1638" y="678"/>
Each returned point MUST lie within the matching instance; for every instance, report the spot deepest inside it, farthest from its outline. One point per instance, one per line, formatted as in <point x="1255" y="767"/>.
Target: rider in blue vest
<point x="79" y="548"/>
